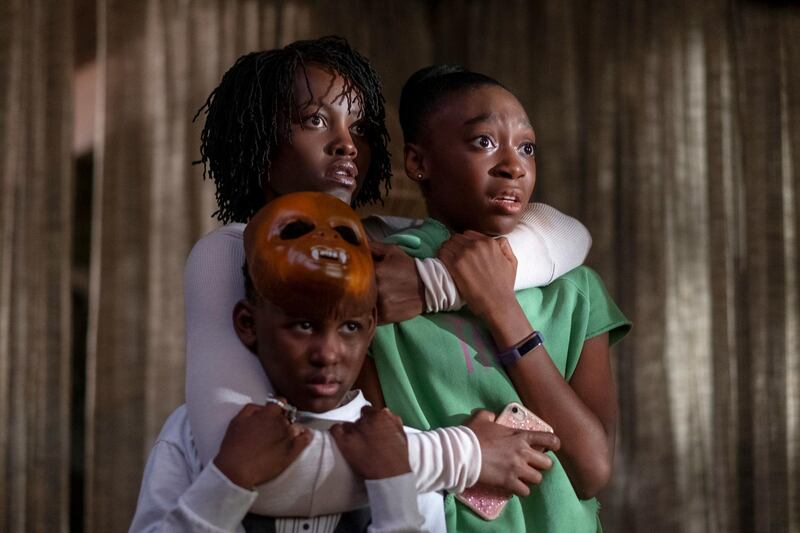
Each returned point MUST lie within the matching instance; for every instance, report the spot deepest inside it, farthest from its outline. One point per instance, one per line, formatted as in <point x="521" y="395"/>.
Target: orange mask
<point x="307" y="253"/>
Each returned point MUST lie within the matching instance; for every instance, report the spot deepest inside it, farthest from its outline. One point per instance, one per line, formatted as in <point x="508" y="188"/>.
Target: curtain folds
<point x="35" y="260"/>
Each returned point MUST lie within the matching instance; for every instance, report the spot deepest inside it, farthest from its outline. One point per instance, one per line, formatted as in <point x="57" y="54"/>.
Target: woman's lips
<point x="342" y="172"/>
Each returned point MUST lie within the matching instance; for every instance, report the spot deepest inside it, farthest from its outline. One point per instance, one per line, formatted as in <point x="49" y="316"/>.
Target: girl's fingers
<point x="538" y="460"/>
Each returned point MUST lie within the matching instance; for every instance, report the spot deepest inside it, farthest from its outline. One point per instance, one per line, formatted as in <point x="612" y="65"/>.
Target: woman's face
<point x="329" y="151"/>
<point x="476" y="158"/>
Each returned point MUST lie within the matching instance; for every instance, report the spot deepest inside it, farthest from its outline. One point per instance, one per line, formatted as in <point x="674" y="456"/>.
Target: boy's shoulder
<point x="176" y="429"/>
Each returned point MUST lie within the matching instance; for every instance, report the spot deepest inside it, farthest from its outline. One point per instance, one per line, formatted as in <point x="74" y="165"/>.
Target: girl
<point x="309" y="116"/>
<point x="471" y="147"/>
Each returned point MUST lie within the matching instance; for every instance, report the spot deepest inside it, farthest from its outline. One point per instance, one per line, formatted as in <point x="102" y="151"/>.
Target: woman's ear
<point x="414" y="160"/>
<point x="245" y="324"/>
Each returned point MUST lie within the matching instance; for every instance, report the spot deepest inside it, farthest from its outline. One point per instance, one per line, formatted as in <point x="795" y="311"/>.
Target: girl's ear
<point x="245" y="324"/>
<point x="414" y="160"/>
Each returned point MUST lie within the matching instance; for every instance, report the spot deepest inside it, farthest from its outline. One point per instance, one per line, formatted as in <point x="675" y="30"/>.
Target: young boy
<point x="309" y="316"/>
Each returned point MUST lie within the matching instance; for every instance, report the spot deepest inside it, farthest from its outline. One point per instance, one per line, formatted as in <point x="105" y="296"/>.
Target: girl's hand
<point x="483" y="268"/>
<point x="513" y="459"/>
<point x="259" y="444"/>
<point x="375" y="445"/>
<point x="401" y="294"/>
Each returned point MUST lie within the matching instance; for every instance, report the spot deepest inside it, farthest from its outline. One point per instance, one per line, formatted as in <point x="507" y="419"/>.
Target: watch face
<point x="515" y="354"/>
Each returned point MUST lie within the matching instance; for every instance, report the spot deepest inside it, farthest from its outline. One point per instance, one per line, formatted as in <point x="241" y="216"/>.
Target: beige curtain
<point x="669" y="128"/>
<point x="35" y="254"/>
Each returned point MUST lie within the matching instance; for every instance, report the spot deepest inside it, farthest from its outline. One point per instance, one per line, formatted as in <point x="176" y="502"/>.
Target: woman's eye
<point x="358" y="129"/>
<point x="528" y="149"/>
<point x="484" y="141"/>
<point x="314" y="121"/>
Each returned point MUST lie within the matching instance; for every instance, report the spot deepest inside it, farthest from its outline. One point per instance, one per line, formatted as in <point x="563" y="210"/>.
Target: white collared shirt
<point x="179" y="494"/>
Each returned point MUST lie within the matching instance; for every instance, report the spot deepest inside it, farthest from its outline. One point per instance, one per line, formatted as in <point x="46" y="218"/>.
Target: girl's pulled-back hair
<point x="424" y="91"/>
<point x="249" y="114"/>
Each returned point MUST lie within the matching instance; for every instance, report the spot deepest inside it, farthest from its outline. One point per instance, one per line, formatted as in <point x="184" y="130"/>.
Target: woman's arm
<point x="546" y="242"/>
<point x="222" y="375"/>
<point x="581" y="412"/>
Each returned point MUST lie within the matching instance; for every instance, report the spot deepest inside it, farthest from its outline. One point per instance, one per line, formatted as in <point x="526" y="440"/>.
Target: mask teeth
<point x="320" y="251"/>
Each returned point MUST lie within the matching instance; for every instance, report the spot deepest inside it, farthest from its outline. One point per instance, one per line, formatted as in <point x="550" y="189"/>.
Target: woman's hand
<point x="401" y="295"/>
<point x="483" y="268"/>
<point x="512" y="459"/>
<point x="259" y="444"/>
<point x="375" y="445"/>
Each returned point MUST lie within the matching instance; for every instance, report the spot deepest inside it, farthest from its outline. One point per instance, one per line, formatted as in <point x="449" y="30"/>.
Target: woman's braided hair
<point x="249" y="114"/>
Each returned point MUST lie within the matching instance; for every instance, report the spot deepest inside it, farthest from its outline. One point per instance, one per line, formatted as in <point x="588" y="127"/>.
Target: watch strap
<point x="515" y="353"/>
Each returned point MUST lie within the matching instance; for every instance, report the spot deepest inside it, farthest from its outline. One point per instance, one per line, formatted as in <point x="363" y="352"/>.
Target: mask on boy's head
<point x="307" y="253"/>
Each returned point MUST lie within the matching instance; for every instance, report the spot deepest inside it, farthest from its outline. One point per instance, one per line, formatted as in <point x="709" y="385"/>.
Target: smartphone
<point x="488" y="502"/>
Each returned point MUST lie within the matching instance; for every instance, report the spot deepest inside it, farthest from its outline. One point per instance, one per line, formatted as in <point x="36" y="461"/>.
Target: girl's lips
<point x="507" y="202"/>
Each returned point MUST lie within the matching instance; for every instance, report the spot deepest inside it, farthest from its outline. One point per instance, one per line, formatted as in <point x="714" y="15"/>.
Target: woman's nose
<point x="343" y="145"/>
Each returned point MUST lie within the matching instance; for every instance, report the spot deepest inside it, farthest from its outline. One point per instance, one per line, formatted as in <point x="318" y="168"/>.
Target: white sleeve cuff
<point x="445" y="458"/>
<point x="441" y="293"/>
<point x="216" y="500"/>
<point x="393" y="504"/>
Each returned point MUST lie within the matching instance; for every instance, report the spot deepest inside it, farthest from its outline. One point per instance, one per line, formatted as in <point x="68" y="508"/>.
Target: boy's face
<point x="329" y="151"/>
<point x="311" y="361"/>
<point x="477" y="157"/>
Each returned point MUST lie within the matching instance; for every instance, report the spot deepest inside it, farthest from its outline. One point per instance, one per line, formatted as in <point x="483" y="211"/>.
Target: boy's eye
<point x="528" y="149"/>
<point x="303" y="326"/>
<point x="351" y="326"/>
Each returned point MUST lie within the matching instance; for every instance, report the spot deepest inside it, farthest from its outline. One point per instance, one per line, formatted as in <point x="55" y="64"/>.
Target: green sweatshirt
<point x="435" y="369"/>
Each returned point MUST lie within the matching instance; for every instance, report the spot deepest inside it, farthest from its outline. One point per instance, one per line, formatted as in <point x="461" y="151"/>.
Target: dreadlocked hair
<point x="249" y="114"/>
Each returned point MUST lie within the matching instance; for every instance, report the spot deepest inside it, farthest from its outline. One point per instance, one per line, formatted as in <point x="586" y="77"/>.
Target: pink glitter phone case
<point x="487" y="502"/>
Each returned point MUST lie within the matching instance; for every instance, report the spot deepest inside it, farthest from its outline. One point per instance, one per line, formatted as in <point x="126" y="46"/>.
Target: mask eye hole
<point x="296" y="229"/>
<point x="348" y="234"/>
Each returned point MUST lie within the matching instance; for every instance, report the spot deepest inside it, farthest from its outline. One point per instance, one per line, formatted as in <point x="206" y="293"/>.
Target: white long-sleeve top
<point x="179" y="494"/>
<point x="222" y="375"/>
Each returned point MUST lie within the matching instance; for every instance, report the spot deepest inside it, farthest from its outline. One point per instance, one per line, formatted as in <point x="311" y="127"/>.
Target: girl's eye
<point x="528" y="149"/>
<point x="484" y="141"/>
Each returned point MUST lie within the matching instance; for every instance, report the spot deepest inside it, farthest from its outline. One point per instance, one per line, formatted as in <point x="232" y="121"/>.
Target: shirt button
<point x="306" y="525"/>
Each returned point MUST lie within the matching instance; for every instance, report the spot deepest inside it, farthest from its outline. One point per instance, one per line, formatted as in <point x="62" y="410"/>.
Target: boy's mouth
<point x="321" y="385"/>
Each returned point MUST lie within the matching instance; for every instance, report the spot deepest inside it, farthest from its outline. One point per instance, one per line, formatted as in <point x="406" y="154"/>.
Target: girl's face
<point x="476" y="159"/>
<point x="329" y="151"/>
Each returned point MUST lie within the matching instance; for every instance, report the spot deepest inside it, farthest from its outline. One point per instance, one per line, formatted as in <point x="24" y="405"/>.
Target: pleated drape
<point x="672" y="129"/>
<point x="35" y="252"/>
<point x="157" y="63"/>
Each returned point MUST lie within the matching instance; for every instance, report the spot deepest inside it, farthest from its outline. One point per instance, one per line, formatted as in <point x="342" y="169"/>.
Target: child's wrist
<point x="234" y="476"/>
